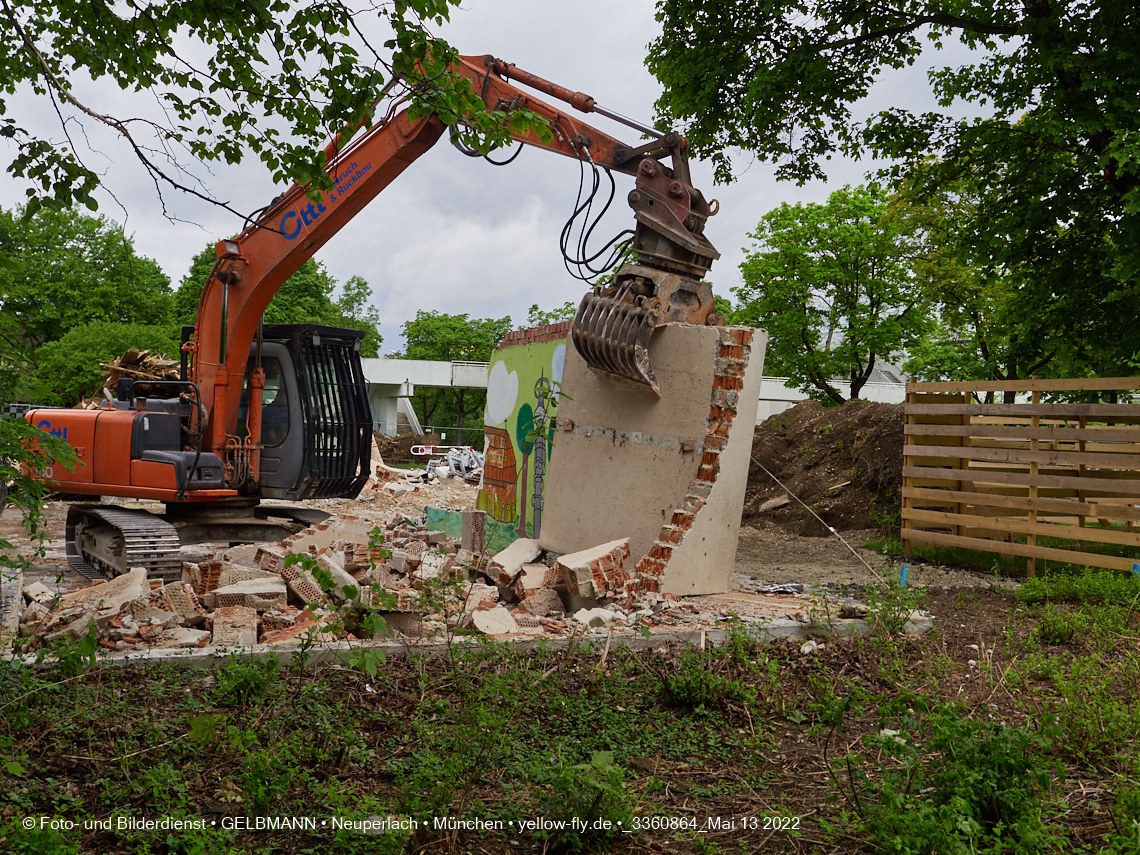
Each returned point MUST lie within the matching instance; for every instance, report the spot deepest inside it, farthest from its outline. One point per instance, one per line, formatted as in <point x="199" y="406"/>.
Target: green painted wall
<point x="519" y="426"/>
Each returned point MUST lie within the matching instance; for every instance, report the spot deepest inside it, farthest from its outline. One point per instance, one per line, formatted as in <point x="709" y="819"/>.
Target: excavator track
<point x="104" y="541"/>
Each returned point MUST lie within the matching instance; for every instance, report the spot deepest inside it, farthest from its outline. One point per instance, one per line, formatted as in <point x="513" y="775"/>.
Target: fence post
<point x="1031" y="539"/>
<point x="907" y="502"/>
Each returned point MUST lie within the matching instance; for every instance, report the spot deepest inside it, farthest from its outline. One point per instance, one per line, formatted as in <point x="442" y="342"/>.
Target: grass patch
<point x="1006" y="729"/>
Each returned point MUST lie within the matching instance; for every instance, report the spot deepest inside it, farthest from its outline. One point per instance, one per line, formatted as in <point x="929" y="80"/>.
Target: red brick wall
<point x="536" y="335"/>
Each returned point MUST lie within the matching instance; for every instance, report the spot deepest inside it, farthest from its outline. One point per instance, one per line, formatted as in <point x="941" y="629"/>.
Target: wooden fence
<point x="1000" y="477"/>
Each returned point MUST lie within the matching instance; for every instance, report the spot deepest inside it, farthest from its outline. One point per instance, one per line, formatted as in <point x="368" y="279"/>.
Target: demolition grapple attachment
<point x="614" y="324"/>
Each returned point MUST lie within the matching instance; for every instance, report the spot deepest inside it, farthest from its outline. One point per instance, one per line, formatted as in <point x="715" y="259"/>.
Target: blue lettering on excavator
<point x="308" y="215"/>
<point x="292" y="221"/>
<point x="290" y="232"/>
<point x="45" y="425"/>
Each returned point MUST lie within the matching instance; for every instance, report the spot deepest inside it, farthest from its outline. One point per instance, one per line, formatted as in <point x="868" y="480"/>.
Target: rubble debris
<point x="596" y="572"/>
<point x="177" y="597"/>
<point x="544" y="602"/>
<point x="135" y="364"/>
<point x="234" y="626"/>
<point x="595" y="617"/>
<point x="257" y="594"/>
<point x="507" y="564"/>
<point x="105" y="600"/>
<point x="773" y="504"/>
<point x="424" y="583"/>
<point x="495" y="621"/>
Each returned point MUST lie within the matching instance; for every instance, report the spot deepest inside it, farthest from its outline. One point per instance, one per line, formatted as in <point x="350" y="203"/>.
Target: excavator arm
<point x="613" y="325"/>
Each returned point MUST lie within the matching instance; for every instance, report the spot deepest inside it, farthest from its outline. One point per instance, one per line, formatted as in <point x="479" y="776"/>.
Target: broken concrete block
<point x="774" y="504"/>
<point x="594" y="617"/>
<point x="507" y="564"/>
<point x="474" y="534"/>
<point x="257" y="594"/>
<point x="435" y="537"/>
<point x="433" y="565"/>
<point x="34" y="613"/>
<point x="399" y="560"/>
<point x="38" y="592"/>
<point x="598" y="571"/>
<point x="234" y="626"/>
<point x="77" y="629"/>
<point x="177" y="597"/>
<point x="479" y="594"/>
<point x="230" y="574"/>
<point x="182" y="636"/>
<point x="104" y="601"/>
<point x="531" y="578"/>
<point x="271" y="558"/>
<point x="527" y="622"/>
<point x="244" y="555"/>
<point x="340" y="576"/>
<point x="543" y="602"/>
<point x="302" y="586"/>
<point x="496" y="621"/>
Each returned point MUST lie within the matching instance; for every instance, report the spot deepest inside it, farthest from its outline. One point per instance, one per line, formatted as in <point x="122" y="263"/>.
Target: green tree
<point x="305" y="297"/>
<point x="228" y="77"/>
<point x="537" y="317"/>
<point x="982" y="330"/>
<point x="451" y="338"/>
<point x="357" y="312"/>
<point x="832" y="284"/>
<point x="74" y="269"/>
<point x="1055" y="164"/>
<point x="72" y="367"/>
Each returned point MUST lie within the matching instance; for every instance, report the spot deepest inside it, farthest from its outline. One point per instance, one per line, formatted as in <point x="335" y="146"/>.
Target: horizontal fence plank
<point x="1092" y="384"/>
<point x="1014" y="411"/>
<point x="1056" y="434"/>
<point x="1058" y="506"/>
<point x="1014" y="525"/>
<point x="1017" y="455"/>
<point x="1023" y="550"/>
<point x="1111" y="486"/>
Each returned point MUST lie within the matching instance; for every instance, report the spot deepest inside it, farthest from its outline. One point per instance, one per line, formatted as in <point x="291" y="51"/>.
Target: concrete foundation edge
<point x="780" y="629"/>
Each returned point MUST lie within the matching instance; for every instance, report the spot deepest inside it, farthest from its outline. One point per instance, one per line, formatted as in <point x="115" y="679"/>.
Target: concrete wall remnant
<point x="669" y="473"/>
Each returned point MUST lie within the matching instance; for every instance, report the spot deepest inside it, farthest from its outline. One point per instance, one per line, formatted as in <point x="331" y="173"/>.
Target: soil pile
<point x="845" y="463"/>
<point x="398" y="449"/>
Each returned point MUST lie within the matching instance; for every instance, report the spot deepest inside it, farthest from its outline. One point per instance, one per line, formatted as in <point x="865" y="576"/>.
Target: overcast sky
<point x="458" y="235"/>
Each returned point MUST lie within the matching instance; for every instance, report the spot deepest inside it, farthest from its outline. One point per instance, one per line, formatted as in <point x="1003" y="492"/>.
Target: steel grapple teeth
<point x="613" y="337"/>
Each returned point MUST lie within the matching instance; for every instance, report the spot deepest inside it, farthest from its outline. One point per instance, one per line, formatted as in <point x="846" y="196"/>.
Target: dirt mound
<point x="845" y="463"/>
<point x="398" y="449"/>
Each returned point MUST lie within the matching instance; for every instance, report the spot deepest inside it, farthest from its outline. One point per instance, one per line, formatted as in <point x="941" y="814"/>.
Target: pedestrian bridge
<point x="391" y="382"/>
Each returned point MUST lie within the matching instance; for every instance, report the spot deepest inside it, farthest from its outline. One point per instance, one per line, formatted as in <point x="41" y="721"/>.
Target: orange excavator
<point x="281" y="411"/>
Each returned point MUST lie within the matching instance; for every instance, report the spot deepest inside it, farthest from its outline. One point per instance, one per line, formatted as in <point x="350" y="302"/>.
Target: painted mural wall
<point x="522" y="400"/>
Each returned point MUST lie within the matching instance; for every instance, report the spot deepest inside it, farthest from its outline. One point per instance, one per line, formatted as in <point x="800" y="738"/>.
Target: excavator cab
<point x="316" y="428"/>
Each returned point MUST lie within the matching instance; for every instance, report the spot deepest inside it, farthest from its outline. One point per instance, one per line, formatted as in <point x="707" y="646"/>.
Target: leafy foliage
<point x="537" y="317"/>
<point x="452" y="338"/>
<point x="75" y="269"/>
<point x="832" y="284"/>
<point x="1053" y="169"/>
<point x="24" y="451"/>
<point x="228" y="77"/>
